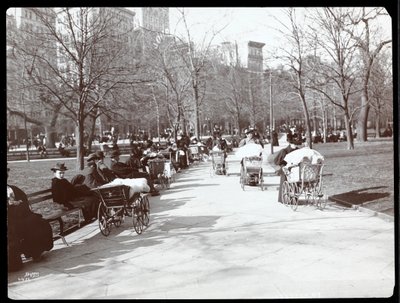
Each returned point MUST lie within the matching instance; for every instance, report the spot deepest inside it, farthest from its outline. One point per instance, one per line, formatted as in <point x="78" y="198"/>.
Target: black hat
<point x="250" y="130"/>
<point x="59" y="166"/>
<point x="114" y="153"/>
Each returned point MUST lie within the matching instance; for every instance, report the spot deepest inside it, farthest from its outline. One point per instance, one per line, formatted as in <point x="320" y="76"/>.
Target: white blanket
<point x="249" y="150"/>
<point x="136" y="184"/>
<point x="295" y="157"/>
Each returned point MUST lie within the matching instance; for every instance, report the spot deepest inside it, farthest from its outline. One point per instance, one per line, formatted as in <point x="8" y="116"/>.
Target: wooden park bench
<point x="57" y="216"/>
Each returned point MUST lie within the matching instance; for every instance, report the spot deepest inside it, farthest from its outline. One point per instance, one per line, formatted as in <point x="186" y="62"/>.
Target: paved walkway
<point x="210" y="239"/>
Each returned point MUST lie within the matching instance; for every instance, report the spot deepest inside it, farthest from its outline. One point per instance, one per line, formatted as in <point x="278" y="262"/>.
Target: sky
<point x="237" y="24"/>
<point x="240" y="24"/>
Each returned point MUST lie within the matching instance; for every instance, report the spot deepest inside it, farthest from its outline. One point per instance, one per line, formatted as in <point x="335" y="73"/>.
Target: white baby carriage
<point x="303" y="178"/>
<point x="218" y="164"/>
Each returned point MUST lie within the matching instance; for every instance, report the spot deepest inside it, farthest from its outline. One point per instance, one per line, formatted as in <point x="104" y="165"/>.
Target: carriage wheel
<point x="285" y="193"/>
<point x="319" y="199"/>
<point x="146" y="210"/>
<point x="294" y="199"/>
<point x="308" y="193"/>
<point x="242" y="178"/>
<point x="137" y="216"/>
<point x="261" y="178"/>
<point x="104" y="225"/>
<point x="117" y="219"/>
<point x="167" y="182"/>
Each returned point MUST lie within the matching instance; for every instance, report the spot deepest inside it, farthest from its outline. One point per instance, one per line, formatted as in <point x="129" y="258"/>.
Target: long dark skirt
<point x="28" y="233"/>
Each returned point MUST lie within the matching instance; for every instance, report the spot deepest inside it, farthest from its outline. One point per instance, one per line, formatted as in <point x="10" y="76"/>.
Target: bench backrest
<point x="40" y="196"/>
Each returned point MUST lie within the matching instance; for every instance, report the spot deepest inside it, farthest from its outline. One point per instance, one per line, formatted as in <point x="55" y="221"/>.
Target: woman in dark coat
<point x="28" y="233"/>
<point x="73" y="196"/>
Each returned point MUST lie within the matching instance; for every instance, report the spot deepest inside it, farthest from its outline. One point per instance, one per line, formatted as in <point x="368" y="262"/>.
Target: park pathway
<point x="210" y="239"/>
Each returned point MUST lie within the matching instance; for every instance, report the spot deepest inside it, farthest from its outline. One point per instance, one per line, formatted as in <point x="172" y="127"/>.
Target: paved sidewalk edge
<point x="363" y="209"/>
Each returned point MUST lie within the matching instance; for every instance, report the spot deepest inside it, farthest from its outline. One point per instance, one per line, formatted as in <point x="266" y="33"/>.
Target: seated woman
<point x="27" y="232"/>
<point x="73" y="196"/>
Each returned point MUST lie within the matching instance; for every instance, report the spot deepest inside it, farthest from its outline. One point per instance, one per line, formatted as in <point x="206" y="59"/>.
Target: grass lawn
<point x="363" y="175"/>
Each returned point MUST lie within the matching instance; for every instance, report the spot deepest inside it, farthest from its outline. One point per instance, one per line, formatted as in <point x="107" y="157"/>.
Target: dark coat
<point x="92" y="178"/>
<point x="28" y="232"/>
<point x="278" y="160"/>
<point x="105" y="173"/>
<point x="134" y="163"/>
<point x="64" y="192"/>
<point x="122" y="170"/>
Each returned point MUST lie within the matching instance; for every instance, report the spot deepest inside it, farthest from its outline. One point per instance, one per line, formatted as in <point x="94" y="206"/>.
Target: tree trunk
<point x="363" y="119"/>
<point x="79" y="146"/>
<point x="91" y="133"/>
<point x="377" y="125"/>
<point x="51" y="135"/>
<point x="350" y="140"/>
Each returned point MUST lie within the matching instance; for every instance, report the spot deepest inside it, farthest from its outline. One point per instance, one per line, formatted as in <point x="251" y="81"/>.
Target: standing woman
<point x="27" y="232"/>
<point x="279" y="161"/>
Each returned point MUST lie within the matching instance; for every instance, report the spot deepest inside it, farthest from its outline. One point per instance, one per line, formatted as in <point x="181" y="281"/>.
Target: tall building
<point x="156" y="19"/>
<point x="229" y="53"/>
<point x="29" y="33"/>
<point x="255" y="56"/>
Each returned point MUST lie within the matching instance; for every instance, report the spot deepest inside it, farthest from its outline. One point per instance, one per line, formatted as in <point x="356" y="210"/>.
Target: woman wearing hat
<point x="27" y="232"/>
<point x="72" y="196"/>
<point x="249" y="138"/>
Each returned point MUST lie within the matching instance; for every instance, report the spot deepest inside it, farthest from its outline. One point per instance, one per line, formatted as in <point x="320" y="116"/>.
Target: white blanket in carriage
<point x="295" y="157"/>
<point x="136" y="185"/>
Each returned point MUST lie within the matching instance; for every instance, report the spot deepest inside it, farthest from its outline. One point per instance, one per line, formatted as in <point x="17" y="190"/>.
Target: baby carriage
<point x="194" y="154"/>
<point x="115" y="205"/>
<point x="157" y="172"/>
<point x="219" y="165"/>
<point x="251" y="172"/>
<point x="303" y="182"/>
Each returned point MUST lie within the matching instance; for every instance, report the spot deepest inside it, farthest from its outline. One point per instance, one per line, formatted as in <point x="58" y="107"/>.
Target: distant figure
<point x="275" y="138"/>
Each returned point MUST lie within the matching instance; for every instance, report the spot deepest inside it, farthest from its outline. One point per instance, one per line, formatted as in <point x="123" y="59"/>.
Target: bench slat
<point x="38" y="193"/>
<point x="40" y="199"/>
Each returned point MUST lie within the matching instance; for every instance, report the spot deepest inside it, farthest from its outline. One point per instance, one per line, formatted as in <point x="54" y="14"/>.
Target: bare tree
<point x="294" y="59"/>
<point x="197" y="61"/>
<point x="93" y="65"/>
<point x="339" y="69"/>
<point x="369" y="46"/>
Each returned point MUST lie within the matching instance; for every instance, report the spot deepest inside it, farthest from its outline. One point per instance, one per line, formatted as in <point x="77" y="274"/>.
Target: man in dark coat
<point x="73" y="196"/>
<point x="92" y="177"/>
<point x="106" y="173"/>
<point x="27" y="232"/>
